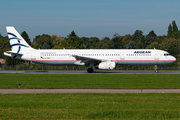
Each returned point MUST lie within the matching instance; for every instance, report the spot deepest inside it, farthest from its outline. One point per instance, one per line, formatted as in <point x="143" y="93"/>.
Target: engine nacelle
<point x="107" y="65"/>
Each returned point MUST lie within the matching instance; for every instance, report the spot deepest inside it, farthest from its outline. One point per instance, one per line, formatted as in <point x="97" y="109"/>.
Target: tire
<point x="90" y="70"/>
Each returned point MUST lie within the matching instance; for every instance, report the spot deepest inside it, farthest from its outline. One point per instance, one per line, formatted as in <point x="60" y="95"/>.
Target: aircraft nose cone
<point x="174" y="59"/>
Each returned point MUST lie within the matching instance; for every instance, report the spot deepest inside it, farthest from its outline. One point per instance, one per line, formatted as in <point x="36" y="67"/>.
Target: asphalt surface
<point x="95" y="72"/>
<point x="63" y="91"/>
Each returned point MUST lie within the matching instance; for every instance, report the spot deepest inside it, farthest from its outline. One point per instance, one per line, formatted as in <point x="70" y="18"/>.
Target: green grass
<point x="90" y="80"/>
<point x="90" y="106"/>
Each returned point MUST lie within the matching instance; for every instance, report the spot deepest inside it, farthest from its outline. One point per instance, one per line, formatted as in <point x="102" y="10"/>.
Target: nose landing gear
<point x="156" y="69"/>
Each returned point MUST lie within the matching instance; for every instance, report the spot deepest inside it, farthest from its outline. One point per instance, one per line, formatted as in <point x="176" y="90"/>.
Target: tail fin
<point x="17" y="43"/>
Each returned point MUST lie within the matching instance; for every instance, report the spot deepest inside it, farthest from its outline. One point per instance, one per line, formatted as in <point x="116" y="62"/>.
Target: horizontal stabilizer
<point x="12" y="52"/>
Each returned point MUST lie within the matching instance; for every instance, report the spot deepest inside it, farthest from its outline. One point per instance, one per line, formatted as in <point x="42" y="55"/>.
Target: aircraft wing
<point x="87" y="60"/>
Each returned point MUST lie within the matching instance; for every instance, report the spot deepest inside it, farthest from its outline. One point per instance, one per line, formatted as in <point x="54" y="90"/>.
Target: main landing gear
<point x="90" y="70"/>
<point x="156" y="69"/>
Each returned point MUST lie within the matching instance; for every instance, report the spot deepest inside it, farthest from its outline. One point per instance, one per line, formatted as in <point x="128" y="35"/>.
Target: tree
<point x="152" y="35"/>
<point x="105" y="43"/>
<point x="172" y="46"/>
<point x="73" y="34"/>
<point x="150" y="38"/>
<point x="174" y="27"/>
<point x="126" y="40"/>
<point x="56" y="41"/>
<point x="169" y="32"/>
<point x="26" y="37"/>
<point x="160" y="39"/>
<point x="105" y="46"/>
<point x="13" y="61"/>
<point x="117" y="41"/>
<point x="153" y="45"/>
<point x="39" y="41"/>
<point x="131" y="45"/>
<point x="65" y="44"/>
<point x="141" y="43"/>
<point x="93" y="42"/>
<point x="4" y="45"/>
<point x="137" y="36"/>
<point x="45" y="46"/>
<point x="72" y="41"/>
<point x="85" y="42"/>
<point x="176" y="35"/>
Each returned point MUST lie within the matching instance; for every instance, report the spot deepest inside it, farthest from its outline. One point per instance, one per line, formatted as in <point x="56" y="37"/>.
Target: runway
<point x="95" y="72"/>
<point x="73" y="91"/>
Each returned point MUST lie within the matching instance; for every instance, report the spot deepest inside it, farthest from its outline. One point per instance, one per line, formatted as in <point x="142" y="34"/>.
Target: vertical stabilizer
<point x="17" y="42"/>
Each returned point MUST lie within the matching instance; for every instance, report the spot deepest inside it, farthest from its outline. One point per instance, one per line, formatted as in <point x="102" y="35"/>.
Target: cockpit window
<point x="166" y="54"/>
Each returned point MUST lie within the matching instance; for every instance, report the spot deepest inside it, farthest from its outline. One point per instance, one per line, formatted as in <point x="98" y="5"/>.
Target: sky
<point x="88" y="18"/>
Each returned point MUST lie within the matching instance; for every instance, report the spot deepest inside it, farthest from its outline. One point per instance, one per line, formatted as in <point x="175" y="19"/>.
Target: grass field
<point x="90" y="106"/>
<point x="90" y="80"/>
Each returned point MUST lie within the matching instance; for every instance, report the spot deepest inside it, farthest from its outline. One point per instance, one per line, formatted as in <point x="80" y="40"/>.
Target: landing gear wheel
<point x="156" y="71"/>
<point x="90" y="70"/>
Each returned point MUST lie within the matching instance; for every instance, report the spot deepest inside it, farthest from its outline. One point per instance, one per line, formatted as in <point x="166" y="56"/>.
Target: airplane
<point x="99" y="58"/>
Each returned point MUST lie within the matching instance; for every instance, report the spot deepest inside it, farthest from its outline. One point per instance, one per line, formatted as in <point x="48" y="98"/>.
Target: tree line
<point x="169" y="42"/>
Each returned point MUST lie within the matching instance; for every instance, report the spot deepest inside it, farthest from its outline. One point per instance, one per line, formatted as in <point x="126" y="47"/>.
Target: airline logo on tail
<point x="17" y="43"/>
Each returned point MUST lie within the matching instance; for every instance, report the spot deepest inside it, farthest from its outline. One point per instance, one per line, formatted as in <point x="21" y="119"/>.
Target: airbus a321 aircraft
<point x="100" y="58"/>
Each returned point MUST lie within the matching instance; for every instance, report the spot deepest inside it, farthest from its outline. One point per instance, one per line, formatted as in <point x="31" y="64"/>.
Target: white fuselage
<point x="119" y="56"/>
<point x="100" y="58"/>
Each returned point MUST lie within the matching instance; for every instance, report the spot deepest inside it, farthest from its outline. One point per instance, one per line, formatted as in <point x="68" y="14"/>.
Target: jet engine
<point x="107" y="65"/>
